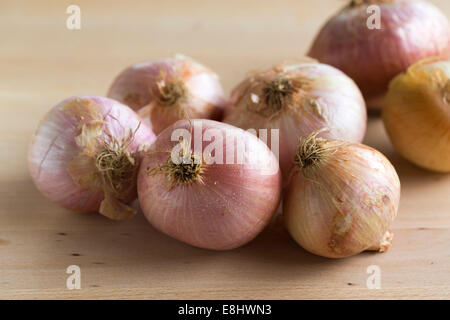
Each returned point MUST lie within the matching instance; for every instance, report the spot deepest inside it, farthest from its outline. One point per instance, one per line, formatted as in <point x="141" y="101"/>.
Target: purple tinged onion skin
<point x="322" y="96"/>
<point x="147" y="88"/>
<point x="343" y="204"/>
<point x="410" y="31"/>
<point x="226" y="207"/>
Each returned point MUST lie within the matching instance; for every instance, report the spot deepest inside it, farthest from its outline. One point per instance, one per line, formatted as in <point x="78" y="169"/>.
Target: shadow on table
<point x="92" y="240"/>
<point x="89" y="238"/>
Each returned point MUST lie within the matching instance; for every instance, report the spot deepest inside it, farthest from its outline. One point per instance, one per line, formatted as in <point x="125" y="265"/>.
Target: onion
<point x="409" y="31"/>
<point x="341" y="199"/>
<point x="298" y="99"/>
<point x="84" y="155"/>
<point x="417" y="114"/>
<point x="167" y="90"/>
<point x="216" y="190"/>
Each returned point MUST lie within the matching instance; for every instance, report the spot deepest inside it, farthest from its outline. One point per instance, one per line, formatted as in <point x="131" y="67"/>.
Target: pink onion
<point x="84" y="155"/>
<point x="215" y="201"/>
<point x="298" y="99"/>
<point x="170" y="89"/>
<point x="341" y="199"/>
<point x="409" y="31"/>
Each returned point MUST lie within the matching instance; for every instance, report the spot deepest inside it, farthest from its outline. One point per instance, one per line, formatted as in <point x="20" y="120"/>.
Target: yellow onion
<point x="164" y="91"/>
<point x="341" y="199"/>
<point x="298" y="99"/>
<point x="417" y="114"/>
<point x="408" y="32"/>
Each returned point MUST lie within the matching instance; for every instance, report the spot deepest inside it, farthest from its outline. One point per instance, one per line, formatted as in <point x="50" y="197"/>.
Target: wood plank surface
<point x="42" y="62"/>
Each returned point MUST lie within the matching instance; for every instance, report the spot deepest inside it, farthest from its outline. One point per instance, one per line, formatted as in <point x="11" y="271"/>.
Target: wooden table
<point x="42" y="62"/>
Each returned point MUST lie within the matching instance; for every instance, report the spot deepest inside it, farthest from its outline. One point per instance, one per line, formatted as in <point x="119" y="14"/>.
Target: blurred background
<point x="40" y="57"/>
<point x="39" y="54"/>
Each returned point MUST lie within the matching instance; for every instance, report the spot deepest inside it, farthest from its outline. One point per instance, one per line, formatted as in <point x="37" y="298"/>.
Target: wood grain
<point x="41" y="62"/>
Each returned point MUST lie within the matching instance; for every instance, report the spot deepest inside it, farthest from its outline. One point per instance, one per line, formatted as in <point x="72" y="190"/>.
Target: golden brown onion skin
<point x="63" y="152"/>
<point x="324" y="97"/>
<point x="410" y="31"/>
<point x="417" y="115"/>
<point x="345" y="204"/>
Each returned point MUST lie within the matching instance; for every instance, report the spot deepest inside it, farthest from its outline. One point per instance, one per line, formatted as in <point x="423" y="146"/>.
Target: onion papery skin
<point x="63" y="169"/>
<point x="138" y="87"/>
<point x="345" y="204"/>
<point x="410" y="31"/>
<point x="226" y="209"/>
<point x="416" y="114"/>
<point x="328" y="98"/>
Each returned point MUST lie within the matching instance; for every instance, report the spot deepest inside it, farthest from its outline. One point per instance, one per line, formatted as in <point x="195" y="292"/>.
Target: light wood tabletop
<point x="42" y="62"/>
